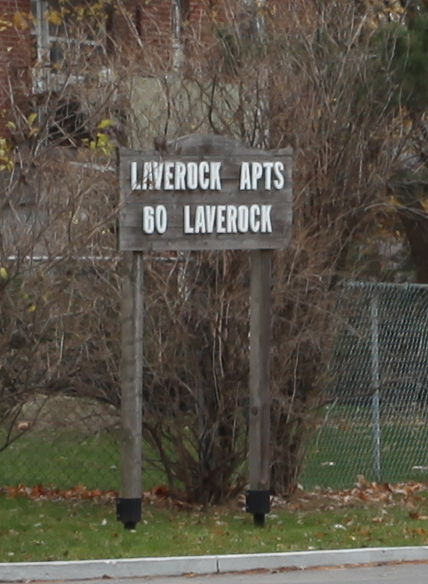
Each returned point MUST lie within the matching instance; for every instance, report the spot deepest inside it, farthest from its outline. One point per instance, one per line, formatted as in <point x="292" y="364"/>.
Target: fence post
<point x="374" y="310"/>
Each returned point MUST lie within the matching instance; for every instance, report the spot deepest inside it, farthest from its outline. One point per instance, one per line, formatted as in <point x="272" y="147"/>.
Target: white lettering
<point x="266" y="223"/>
<point x="279" y="181"/>
<point x="244" y="178"/>
<point x="135" y="185"/>
<point x="252" y="172"/>
<point x="188" y="228"/>
<point x="204" y="180"/>
<point x="157" y="175"/>
<point x="192" y="175"/>
<point x="155" y="219"/>
<point x="161" y="219"/>
<point x="256" y="174"/>
<point x="211" y="214"/>
<point x="231" y="215"/>
<point x="242" y="219"/>
<point x="157" y="171"/>
<point x="200" y="223"/>
<point x="169" y="176"/>
<point x="221" y="218"/>
<point x="148" y="220"/>
<point x="217" y="219"/>
<point x="179" y="176"/>
<point x="215" y="180"/>
<point x="147" y="176"/>
<point x="268" y="175"/>
<point x="254" y="218"/>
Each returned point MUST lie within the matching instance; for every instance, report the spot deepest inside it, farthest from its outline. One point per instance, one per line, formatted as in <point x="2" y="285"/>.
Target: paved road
<point x="393" y="574"/>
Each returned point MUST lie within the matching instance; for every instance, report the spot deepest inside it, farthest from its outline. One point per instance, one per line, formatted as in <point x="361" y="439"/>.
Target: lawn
<point x="66" y="459"/>
<point x="57" y="529"/>
<point x="69" y="530"/>
<point x="342" y="448"/>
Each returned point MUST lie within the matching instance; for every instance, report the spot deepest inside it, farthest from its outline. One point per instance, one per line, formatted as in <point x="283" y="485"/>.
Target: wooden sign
<point x="175" y="202"/>
<point x="201" y="193"/>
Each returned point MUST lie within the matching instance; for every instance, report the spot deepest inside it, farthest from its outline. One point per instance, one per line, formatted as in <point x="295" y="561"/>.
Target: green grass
<point x="342" y="449"/>
<point x="67" y="459"/>
<point x="49" y="530"/>
<point x="62" y="458"/>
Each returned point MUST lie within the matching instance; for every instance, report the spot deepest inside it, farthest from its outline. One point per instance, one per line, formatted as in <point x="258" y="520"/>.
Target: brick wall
<point x="148" y="25"/>
<point x="15" y="49"/>
<point x="140" y="28"/>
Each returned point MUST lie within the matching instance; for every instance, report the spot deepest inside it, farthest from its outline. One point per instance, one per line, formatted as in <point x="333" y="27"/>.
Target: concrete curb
<point x="141" y="567"/>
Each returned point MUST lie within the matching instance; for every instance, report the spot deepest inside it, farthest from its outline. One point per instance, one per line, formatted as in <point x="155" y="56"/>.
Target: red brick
<point x="139" y="29"/>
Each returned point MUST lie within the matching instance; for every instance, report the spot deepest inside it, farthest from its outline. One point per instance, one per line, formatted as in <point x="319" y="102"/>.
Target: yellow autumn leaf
<point x="19" y="21"/>
<point x="102" y="138"/>
<point x="105" y="124"/>
<point x="395" y="202"/>
<point x="3" y="273"/>
<point x="31" y="119"/>
<point x="104" y="143"/>
<point x="54" y="17"/>
<point x="31" y="308"/>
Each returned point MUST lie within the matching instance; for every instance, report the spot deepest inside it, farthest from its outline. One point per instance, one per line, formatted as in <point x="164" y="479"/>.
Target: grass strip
<point x="46" y="530"/>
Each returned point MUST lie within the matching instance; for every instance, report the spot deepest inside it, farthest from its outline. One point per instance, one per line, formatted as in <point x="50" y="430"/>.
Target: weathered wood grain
<point x="131" y="373"/>
<point x="260" y="335"/>
<point x="132" y="203"/>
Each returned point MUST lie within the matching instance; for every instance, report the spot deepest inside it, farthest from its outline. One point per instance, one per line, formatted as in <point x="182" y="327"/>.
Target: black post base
<point x="258" y="503"/>
<point x="129" y="512"/>
<point x="259" y="519"/>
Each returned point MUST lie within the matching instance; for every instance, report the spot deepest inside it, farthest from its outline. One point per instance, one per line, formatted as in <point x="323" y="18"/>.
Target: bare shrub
<point x="308" y="80"/>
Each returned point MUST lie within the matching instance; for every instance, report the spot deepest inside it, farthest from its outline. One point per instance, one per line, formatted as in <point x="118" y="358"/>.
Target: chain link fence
<point x="59" y="395"/>
<point x="374" y="422"/>
<point x="375" y="419"/>
<point x="66" y="441"/>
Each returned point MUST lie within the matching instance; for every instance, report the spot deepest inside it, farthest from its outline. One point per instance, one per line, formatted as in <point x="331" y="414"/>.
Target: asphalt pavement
<point x="390" y="565"/>
<point x="416" y="573"/>
<point x="196" y="566"/>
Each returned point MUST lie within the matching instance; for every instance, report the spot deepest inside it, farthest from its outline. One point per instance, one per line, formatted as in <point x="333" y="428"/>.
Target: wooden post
<point x="130" y="498"/>
<point x="244" y="202"/>
<point x="258" y="495"/>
